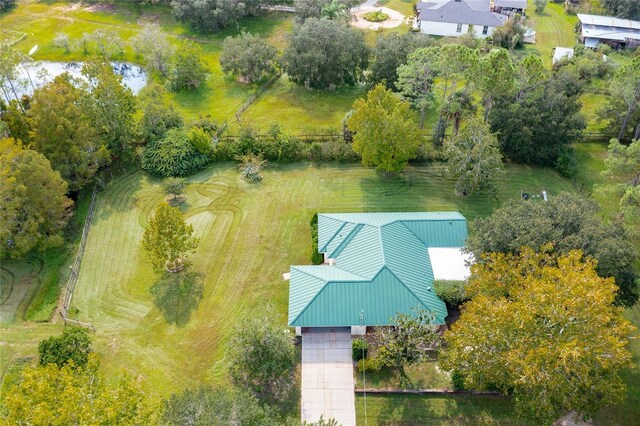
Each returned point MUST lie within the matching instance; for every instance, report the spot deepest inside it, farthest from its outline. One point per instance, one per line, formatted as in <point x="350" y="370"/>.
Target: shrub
<point x="73" y="345"/>
<point x="251" y="166"/>
<point x="174" y="155"/>
<point x="359" y="349"/>
<point x="201" y="141"/>
<point x="369" y="365"/>
<point x="337" y="150"/>
<point x="457" y="380"/>
<point x="566" y="164"/>
<point x="375" y="16"/>
<point x="316" y="257"/>
<point x="450" y="291"/>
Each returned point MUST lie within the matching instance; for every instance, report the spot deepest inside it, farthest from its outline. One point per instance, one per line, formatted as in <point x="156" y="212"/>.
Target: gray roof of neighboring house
<point x="514" y="4"/>
<point x="481" y="5"/>
<point x="461" y="12"/>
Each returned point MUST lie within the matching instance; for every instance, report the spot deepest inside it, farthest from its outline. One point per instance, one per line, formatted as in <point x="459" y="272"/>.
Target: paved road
<point x="327" y="376"/>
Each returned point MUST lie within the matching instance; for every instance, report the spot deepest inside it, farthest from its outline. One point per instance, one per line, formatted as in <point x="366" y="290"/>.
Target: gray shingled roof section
<point x="425" y="5"/>
<point x="514" y="4"/>
<point x="460" y="13"/>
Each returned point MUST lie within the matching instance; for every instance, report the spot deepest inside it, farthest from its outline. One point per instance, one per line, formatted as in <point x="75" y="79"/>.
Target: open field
<point x="250" y="234"/>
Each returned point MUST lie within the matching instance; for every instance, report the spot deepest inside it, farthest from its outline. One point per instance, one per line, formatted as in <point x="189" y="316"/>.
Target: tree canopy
<point x="152" y="44"/>
<point x="67" y="395"/>
<point x="157" y="116"/>
<point x="174" y="155"/>
<point x="416" y="79"/>
<point x="35" y="209"/>
<point x="386" y="134"/>
<point x="188" y="68"/>
<point x="623" y="167"/>
<point x="626" y="86"/>
<point x="72" y="346"/>
<point x="206" y="406"/>
<point x="168" y="240"/>
<point x="325" y="54"/>
<point x="543" y="329"/>
<point x="473" y="158"/>
<point x="110" y="106"/>
<point x="407" y="341"/>
<point x="63" y="131"/>
<point x="629" y="9"/>
<point x="262" y="358"/>
<point x="248" y="56"/>
<point x="211" y="15"/>
<point x="569" y="221"/>
<point x="390" y="52"/>
<point x="539" y="125"/>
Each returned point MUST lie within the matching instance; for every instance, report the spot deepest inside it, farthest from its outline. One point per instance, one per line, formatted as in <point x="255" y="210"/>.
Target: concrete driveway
<point x="327" y="376"/>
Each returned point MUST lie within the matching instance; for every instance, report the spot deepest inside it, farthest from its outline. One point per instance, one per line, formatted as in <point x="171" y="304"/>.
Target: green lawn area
<point x="403" y="6"/>
<point x="250" y="234"/>
<point x="426" y="375"/>
<point x="435" y="410"/>
<point x="300" y="111"/>
<point x="554" y="27"/>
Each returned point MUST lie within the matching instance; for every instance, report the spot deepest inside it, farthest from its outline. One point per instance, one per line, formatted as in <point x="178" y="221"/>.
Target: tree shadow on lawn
<point x="177" y="295"/>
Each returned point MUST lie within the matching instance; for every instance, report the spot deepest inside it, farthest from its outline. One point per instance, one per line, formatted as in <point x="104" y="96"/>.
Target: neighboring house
<point x="616" y="32"/>
<point x="456" y="17"/>
<point x="510" y="6"/>
<point x="560" y="53"/>
<point x="377" y="265"/>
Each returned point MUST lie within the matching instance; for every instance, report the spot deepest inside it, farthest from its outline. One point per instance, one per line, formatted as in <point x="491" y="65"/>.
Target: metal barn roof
<point x="382" y="267"/>
<point x="608" y="21"/>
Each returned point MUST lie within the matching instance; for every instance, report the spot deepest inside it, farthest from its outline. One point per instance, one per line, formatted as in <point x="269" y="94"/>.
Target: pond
<point x="36" y="74"/>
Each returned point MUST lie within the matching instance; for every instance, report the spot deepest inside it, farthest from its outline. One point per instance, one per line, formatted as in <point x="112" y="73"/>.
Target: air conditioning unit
<point x="331" y="262"/>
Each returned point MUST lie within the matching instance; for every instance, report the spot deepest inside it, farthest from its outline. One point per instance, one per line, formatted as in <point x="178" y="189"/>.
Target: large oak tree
<point x="325" y="54"/>
<point x="543" y="329"/>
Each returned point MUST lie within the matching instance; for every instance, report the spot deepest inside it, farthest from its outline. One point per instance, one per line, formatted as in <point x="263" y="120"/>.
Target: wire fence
<point x="75" y="268"/>
<point x="253" y="97"/>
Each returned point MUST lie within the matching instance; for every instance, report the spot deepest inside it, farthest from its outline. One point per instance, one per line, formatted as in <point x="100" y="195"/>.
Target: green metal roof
<point x="382" y="268"/>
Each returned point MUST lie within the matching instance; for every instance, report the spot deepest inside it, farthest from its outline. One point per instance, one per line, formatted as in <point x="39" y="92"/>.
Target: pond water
<point x="40" y="73"/>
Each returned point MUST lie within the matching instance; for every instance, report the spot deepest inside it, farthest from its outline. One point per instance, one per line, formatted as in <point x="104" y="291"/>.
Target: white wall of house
<point x="451" y="30"/>
<point x="357" y="330"/>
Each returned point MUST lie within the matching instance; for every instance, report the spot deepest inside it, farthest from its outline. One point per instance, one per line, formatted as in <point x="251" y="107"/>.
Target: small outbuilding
<point x="560" y="53"/>
<point x="376" y="266"/>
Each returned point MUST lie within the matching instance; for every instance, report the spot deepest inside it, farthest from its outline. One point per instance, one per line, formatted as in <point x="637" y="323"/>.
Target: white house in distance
<point x="618" y="33"/>
<point x="456" y="17"/>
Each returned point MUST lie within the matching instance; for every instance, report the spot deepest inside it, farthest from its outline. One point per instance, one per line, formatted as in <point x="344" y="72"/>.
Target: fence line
<point x="277" y="8"/>
<point x="75" y="268"/>
<point x="11" y="43"/>
<point x="585" y="137"/>
<point x="253" y="97"/>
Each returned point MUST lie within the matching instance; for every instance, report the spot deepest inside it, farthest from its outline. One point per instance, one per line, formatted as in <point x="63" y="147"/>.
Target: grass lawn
<point x="426" y="375"/>
<point x="250" y="234"/>
<point x="300" y="111"/>
<point x="403" y="6"/>
<point x="554" y="27"/>
<point x="435" y="410"/>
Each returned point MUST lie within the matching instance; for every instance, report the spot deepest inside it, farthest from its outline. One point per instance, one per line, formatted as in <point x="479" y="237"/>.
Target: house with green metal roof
<point x="377" y="265"/>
